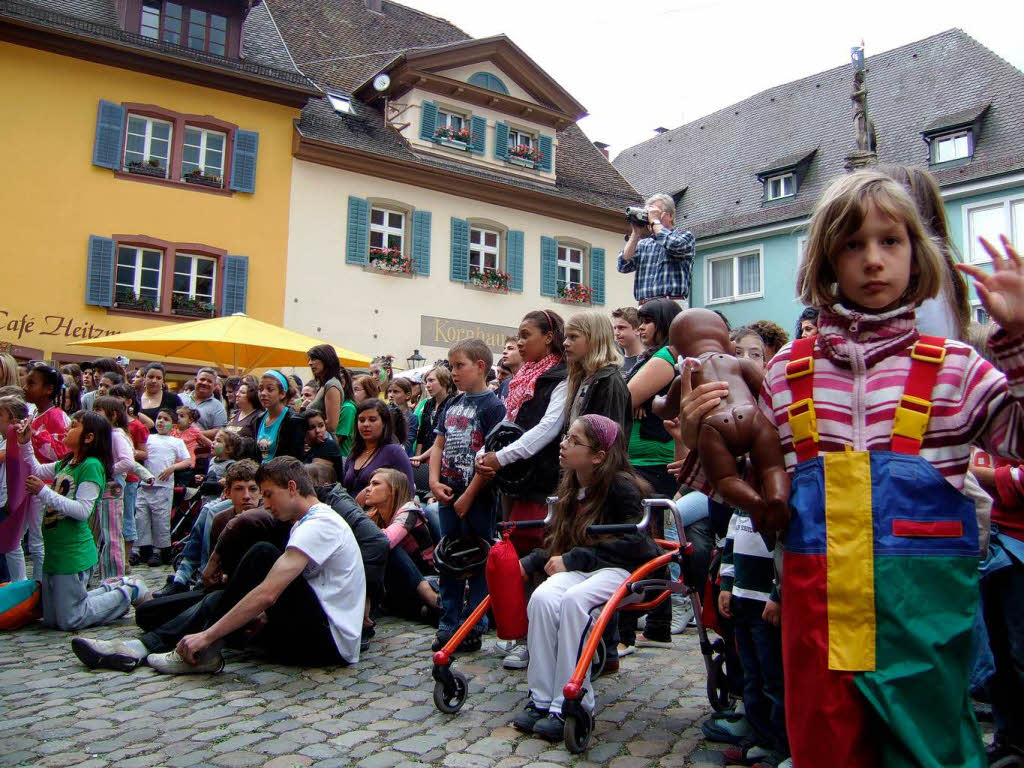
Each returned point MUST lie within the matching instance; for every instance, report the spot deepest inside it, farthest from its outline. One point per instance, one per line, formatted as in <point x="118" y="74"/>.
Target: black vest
<point x="545" y="463"/>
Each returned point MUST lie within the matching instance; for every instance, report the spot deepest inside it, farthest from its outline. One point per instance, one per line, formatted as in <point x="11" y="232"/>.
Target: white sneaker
<point x="138" y="587"/>
<point x="106" y="654"/>
<point x="171" y="663"/>
<point x="519" y="658"/>
<point x="682" y="613"/>
<point x="787" y="763"/>
<point x="504" y="647"/>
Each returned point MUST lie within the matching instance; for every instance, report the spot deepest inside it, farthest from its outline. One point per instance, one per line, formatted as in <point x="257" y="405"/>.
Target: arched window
<point x="488" y="81"/>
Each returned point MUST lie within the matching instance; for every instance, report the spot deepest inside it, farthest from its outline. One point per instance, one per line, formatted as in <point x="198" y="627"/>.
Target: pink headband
<point x="607" y="430"/>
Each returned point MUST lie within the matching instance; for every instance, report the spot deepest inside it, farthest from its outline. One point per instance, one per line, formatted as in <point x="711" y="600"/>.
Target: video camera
<point x="636" y="214"/>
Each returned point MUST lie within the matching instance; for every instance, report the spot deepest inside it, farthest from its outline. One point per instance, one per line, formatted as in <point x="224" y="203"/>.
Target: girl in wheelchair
<point x="598" y="487"/>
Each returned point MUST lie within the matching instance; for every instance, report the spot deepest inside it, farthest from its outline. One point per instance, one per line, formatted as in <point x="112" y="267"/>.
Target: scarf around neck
<point x="524" y="383"/>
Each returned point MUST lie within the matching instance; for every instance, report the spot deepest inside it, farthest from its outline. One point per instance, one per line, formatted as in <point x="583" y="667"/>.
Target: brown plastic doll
<point x="735" y="426"/>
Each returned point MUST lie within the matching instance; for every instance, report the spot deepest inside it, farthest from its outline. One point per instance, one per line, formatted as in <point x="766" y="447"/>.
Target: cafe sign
<point x="445" y="331"/>
<point x="65" y="326"/>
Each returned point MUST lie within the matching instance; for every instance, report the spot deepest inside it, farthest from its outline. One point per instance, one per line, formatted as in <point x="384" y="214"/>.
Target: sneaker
<point x="642" y="641"/>
<point x="528" y="718"/>
<point x="171" y="663"/>
<point x="472" y="643"/>
<point x="140" y="592"/>
<point x="611" y="666"/>
<point x="626" y="650"/>
<point x="732" y="729"/>
<point x="551" y="727"/>
<point x="504" y="647"/>
<point x="1003" y="755"/>
<point x="682" y="613"/>
<point x="154" y="560"/>
<point x="519" y="658"/>
<point x="106" y="654"/>
<point x="440" y="640"/>
<point x="745" y="753"/>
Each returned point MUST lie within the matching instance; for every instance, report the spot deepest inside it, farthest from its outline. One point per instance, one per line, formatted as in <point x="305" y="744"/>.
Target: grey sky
<point x="639" y="65"/>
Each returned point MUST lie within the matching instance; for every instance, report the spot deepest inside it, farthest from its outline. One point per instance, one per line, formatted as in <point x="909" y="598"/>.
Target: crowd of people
<point x="321" y="505"/>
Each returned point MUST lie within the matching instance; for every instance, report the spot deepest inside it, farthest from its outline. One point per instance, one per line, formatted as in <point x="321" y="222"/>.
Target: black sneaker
<point x="551" y="727"/>
<point x="1003" y="755"/>
<point x="471" y="644"/>
<point x="528" y="718"/>
<point x="440" y="640"/>
<point x="171" y="588"/>
<point x="154" y="560"/>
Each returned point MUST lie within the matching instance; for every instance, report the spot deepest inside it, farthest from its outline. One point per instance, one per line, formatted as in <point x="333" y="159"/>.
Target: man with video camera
<point x="661" y="257"/>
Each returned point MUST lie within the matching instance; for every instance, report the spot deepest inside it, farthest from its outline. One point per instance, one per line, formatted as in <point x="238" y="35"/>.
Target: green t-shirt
<point x="346" y="425"/>
<point x="68" y="545"/>
<point x="648" y="453"/>
<point x="419" y="407"/>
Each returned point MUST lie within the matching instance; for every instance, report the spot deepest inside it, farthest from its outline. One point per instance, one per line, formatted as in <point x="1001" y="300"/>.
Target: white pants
<point x="16" y="557"/>
<point x="153" y="516"/>
<point x="559" y="612"/>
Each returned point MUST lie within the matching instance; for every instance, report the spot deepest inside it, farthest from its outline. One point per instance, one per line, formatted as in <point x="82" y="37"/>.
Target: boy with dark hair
<point x="512" y="360"/>
<point x="466" y="502"/>
<point x="626" y="325"/>
<point x="313" y="591"/>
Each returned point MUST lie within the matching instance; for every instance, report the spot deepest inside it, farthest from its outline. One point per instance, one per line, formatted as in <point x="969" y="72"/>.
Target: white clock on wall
<point x="381" y="83"/>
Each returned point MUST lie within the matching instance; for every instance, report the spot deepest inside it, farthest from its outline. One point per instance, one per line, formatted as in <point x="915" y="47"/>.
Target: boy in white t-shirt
<point x="166" y="455"/>
<point x="303" y="606"/>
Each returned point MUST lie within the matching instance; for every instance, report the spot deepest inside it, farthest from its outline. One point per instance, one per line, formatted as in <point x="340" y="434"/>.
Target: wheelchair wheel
<point x="600" y="657"/>
<point x="451" y="702"/>
<point x="718" y="685"/>
<point x="578" y="729"/>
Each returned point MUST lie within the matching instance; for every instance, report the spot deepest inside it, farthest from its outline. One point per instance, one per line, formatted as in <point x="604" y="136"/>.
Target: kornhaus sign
<point x="445" y="331"/>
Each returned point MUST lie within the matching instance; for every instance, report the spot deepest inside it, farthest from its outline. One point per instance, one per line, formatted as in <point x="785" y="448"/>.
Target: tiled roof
<point x="263" y="51"/>
<point x="339" y="44"/>
<point x="909" y="88"/>
<point x="963" y="117"/>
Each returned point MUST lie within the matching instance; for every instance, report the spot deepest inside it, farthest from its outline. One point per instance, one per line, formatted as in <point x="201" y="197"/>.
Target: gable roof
<point x="91" y="29"/>
<point x="341" y="45"/>
<point x="909" y="89"/>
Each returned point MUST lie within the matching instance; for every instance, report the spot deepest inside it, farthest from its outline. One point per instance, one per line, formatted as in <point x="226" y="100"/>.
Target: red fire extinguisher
<point x="505" y="586"/>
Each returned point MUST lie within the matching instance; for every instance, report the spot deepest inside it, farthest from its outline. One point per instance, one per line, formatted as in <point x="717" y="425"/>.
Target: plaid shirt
<point x="662" y="264"/>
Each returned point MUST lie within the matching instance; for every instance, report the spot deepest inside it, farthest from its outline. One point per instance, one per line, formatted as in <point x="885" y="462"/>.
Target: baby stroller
<point x="638" y="592"/>
<point x="188" y="503"/>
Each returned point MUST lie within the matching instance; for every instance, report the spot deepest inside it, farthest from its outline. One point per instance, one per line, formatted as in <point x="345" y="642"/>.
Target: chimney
<point x="374" y="6"/>
<point x="661" y="129"/>
<point x="603" y="147"/>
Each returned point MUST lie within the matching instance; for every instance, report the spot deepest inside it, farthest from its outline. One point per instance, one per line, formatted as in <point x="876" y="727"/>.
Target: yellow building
<point x="146" y="168"/>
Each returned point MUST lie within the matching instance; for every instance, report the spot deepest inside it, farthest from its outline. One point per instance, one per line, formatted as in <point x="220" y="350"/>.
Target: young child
<point x="139" y="434"/>
<point x="108" y="524"/>
<point x="598" y="487"/>
<point x="188" y="431"/>
<point x="12" y="412"/>
<point x="166" y="455"/>
<point x="879" y="577"/>
<point x="466" y="501"/>
<point x="227" y="449"/>
<point x="75" y="485"/>
<point x="400" y="394"/>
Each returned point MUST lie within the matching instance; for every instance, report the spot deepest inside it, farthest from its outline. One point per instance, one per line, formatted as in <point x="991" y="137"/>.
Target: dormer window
<point x="955" y="146"/>
<point x="180" y="24"/>
<point x="341" y="104"/>
<point x="783" y="185"/>
<point x="952" y="138"/>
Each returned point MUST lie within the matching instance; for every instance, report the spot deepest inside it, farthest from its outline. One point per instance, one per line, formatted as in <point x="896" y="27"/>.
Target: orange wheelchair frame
<point x="451" y="688"/>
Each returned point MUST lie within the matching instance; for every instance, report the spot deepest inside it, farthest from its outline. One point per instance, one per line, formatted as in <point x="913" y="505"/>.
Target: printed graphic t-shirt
<point x="465" y="423"/>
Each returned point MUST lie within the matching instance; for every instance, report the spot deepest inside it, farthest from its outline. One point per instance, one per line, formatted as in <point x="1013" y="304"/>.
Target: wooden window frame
<point x="203" y="148"/>
<point x="131" y="13"/>
<point x="179" y="122"/>
<point x="136" y="282"/>
<point x="170" y="249"/>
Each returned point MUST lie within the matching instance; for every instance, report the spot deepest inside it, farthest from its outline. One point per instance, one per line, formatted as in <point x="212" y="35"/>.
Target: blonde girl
<point x="596" y="384"/>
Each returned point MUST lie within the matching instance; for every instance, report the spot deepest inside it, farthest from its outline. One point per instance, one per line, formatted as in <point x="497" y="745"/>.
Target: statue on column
<point x="865" y="127"/>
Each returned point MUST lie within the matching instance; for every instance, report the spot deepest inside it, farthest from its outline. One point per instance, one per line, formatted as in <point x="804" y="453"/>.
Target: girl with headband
<point x="280" y="431"/>
<point x="598" y="487"/>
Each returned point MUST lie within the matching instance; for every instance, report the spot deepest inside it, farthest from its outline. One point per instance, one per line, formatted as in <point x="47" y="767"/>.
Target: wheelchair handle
<point x="527" y="524"/>
<point x="629" y="527"/>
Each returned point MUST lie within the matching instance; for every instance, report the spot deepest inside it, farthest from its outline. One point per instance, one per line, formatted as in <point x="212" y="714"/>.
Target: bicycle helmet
<point x="459" y="557"/>
<point x="515" y="477"/>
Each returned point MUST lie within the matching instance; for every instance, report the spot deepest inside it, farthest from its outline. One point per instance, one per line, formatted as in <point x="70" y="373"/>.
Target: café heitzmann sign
<point x="445" y="331"/>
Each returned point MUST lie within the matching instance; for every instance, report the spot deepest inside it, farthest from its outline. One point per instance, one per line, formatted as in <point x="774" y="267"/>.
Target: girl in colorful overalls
<point x="879" y="577"/>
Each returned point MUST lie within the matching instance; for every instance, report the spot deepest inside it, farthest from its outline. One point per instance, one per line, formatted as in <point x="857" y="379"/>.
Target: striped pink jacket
<point x="861" y="363"/>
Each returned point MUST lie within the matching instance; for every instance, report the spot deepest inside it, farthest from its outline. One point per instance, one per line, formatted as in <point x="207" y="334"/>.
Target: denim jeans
<point x="433" y="517"/>
<point x="128" y="531"/>
<point x="1002" y="593"/>
<point x="401" y="580"/>
<point x="983" y="666"/>
<point x="454" y="610"/>
<point x="693" y="507"/>
<point x="760" y="649"/>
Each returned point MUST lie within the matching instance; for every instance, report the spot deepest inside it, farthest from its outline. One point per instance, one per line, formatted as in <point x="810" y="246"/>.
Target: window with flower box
<point x="452" y="128"/>
<point x="486" y="269"/>
<point x="570" y="267"/>
<point x="195" y="279"/>
<point x="387" y="240"/>
<point x="522" y="148"/>
<point x="137" y="278"/>
<point x="571" y="271"/>
<point x="147" y="146"/>
<point x="202" y="158"/>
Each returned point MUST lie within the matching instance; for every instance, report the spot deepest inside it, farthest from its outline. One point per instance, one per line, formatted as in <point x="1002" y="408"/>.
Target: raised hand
<point x="1002" y="290"/>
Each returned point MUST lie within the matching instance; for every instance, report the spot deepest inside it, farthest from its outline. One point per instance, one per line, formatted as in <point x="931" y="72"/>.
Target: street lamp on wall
<point x="415" y="360"/>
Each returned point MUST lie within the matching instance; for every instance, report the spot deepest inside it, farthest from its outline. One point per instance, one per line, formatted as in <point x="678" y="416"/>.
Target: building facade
<point x="747" y="177"/>
<point x="442" y="190"/>
<point x="148" y="167"/>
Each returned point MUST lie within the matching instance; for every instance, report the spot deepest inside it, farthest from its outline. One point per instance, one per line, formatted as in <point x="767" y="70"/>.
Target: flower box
<point x="449" y="137"/>
<point x="495" y="281"/>
<point x="390" y="260"/>
<point x="521" y="161"/>
<point x="524" y="155"/>
<point x="453" y="144"/>
<point x="202" y="179"/>
<point x="134" y="302"/>
<point x="192" y="307"/>
<point x="575" y="294"/>
<point x="147" y="169"/>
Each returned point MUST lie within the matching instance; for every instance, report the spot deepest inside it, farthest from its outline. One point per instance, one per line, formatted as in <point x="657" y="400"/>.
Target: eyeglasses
<point x="572" y="442"/>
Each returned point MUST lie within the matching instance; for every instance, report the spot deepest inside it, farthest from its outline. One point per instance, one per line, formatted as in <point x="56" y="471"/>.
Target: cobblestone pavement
<point x="377" y="714"/>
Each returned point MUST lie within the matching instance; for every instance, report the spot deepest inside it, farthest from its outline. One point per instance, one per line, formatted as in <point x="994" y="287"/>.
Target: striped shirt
<point x="861" y="364"/>
<point x="748" y="562"/>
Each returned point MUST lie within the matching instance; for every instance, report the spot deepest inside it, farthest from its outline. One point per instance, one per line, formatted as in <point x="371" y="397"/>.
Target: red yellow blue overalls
<point x="879" y="592"/>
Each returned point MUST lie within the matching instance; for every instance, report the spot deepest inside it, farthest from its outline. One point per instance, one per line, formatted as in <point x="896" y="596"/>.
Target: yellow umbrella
<point x="238" y="341"/>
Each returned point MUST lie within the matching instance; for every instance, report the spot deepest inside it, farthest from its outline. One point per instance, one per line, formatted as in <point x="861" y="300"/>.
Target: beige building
<point x="442" y="189"/>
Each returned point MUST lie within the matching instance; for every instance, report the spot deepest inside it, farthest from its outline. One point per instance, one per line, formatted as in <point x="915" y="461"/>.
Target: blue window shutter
<point x="597" y="275"/>
<point x="548" y="266"/>
<point x="546" y="147"/>
<point x="501" y="141"/>
<point x="236" y="285"/>
<point x="243" y="161"/>
<point x="460" y="250"/>
<point x="488" y="81"/>
<point x="357" y="241"/>
<point x="106" y="147"/>
<point x="99" y="272"/>
<point x="478" y="137"/>
<point x="514" y="259"/>
<point x="421" y="242"/>
<point x="428" y="120"/>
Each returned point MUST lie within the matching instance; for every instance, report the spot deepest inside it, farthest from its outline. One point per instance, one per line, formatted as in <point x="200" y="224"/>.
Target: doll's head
<point x="696" y="331"/>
